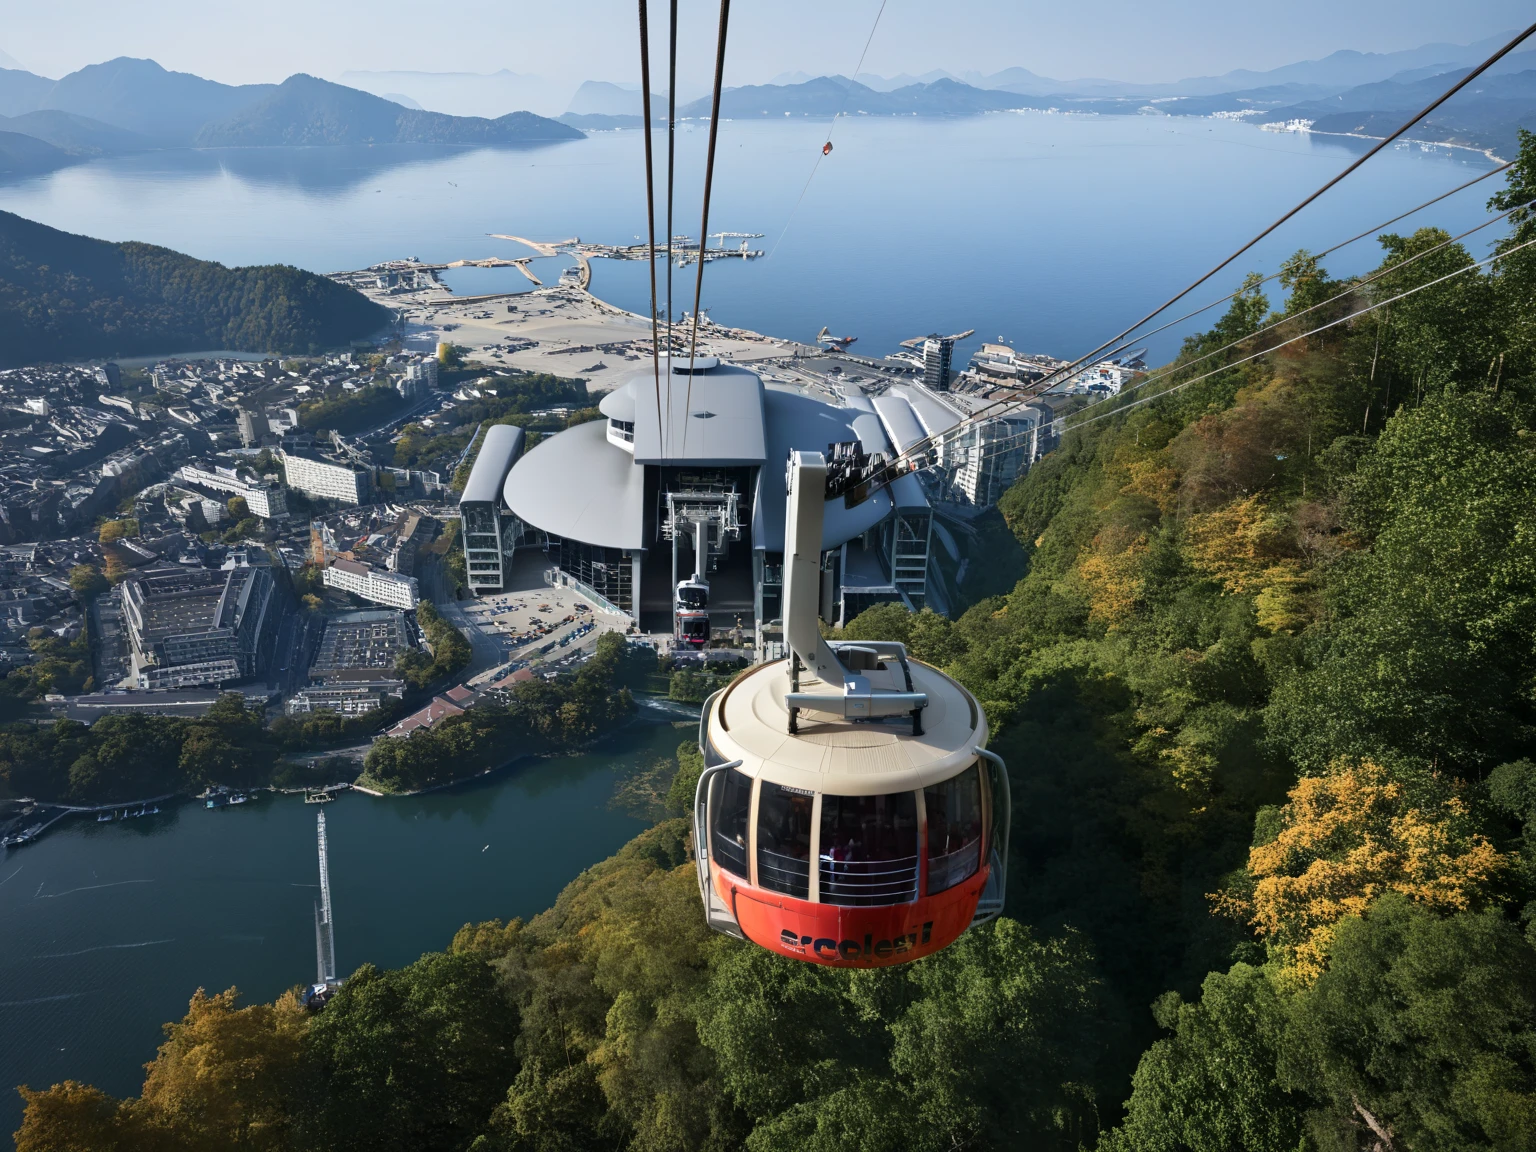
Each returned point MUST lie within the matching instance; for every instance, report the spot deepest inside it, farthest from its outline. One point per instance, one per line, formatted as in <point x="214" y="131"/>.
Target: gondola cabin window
<point x="784" y="840"/>
<point x="732" y="815"/>
<point x="868" y="849"/>
<point x="954" y="829"/>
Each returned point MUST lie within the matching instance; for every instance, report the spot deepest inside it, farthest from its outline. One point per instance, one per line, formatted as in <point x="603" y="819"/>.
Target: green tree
<point x="414" y="1059"/>
<point x="1213" y="1084"/>
<point x="1431" y="635"/>
<point x="1422" y="1026"/>
<point x="87" y="581"/>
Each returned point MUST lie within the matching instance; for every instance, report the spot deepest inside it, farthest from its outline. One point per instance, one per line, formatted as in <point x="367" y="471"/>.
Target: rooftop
<point x="501" y="448"/>
<point x="715" y="416"/>
<point x="847" y="757"/>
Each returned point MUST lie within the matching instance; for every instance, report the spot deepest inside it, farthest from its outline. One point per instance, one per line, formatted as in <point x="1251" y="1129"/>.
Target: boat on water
<point x="321" y="797"/>
<point x="238" y="798"/>
<point x="104" y="818"/>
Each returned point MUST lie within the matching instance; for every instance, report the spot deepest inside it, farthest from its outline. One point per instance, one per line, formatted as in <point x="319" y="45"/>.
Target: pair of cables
<point x="664" y="422"/>
<point x="911" y="458"/>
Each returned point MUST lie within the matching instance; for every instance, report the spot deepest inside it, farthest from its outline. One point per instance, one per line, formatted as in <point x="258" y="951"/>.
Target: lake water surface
<point x="107" y="929"/>
<point x="1054" y="231"/>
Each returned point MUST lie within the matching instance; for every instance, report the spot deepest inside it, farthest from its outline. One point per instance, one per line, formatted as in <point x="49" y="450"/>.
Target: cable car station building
<point x="617" y="503"/>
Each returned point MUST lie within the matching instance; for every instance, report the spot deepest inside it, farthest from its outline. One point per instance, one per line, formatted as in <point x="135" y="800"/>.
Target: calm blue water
<point x="1053" y="231"/>
<point x="106" y="930"/>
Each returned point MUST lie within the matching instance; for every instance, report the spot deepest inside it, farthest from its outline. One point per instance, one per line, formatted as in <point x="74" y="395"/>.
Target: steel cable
<point x="709" y="177"/>
<point x="1369" y="153"/>
<point x="650" y="204"/>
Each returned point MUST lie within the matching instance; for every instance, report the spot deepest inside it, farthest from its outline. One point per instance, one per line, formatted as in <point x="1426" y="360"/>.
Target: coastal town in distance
<point x="177" y="529"/>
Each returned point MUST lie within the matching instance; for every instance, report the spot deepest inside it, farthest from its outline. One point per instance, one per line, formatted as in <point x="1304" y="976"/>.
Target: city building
<point x="490" y="535"/>
<point x="621" y="505"/>
<point x="252" y="426"/>
<point x="264" y="500"/>
<point x="353" y="670"/>
<point x="370" y="583"/>
<point x="451" y="703"/>
<point x="193" y="627"/>
<point x="937" y="353"/>
<point x="420" y="377"/>
<point x="327" y="479"/>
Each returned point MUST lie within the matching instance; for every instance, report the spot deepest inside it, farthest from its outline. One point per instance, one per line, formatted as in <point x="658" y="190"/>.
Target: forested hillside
<point x="67" y="297"/>
<point x="1266" y="696"/>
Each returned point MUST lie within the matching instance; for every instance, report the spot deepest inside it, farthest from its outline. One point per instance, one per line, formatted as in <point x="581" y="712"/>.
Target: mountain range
<point x="127" y="105"/>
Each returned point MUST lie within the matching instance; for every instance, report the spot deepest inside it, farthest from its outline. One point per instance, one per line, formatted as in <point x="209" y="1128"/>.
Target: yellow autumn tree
<point x="1113" y="580"/>
<point x="223" y="1079"/>
<point x="1243" y="545"/>
<point x="226" y="1072"/>
<point x="1345" y="839"/>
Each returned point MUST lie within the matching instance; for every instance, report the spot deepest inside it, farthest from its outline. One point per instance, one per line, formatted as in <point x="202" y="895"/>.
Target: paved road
<point x="296" y="638"/>
<point x="485" y="651"/>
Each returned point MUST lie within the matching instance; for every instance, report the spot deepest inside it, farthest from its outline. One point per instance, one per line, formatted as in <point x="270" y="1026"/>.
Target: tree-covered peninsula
<point x="65" y="297"/>
<point x="1266" y="697"/>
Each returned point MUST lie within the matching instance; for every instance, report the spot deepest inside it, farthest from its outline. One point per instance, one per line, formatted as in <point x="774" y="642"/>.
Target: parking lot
<point x="538" y="626"/>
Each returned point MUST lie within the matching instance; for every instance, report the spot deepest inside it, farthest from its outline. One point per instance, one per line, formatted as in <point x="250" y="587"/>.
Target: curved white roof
<point x="579" y="485"/>
<point x="502" y="445"/>
<point x="750" y="723"/>
<point x="576" y="484"/>
<point x="798" y="422"/>
<point x="620" y="403"/>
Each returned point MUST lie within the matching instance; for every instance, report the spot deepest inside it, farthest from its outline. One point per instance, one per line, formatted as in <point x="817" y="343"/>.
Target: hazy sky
<point x="241" y="41"/>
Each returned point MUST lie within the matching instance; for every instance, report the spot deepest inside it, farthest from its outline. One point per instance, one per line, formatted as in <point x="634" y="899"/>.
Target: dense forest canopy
<point x="1265" y="694"/>
<point x="65" y="297"/>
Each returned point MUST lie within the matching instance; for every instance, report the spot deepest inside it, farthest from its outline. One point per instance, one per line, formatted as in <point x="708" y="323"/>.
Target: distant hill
<point x="77" y="135"/>
<point x="22" y="155"/>
<point x="304" y="110"/>
<point x="599" y="98"/>
<point x="827" y="95"/>
<point x="470" y="93"/>
<point x="141" y="96"/>
<point x="1486" y="114"/>
<point x="67" y="297"/>
<point x="20" y="91"/>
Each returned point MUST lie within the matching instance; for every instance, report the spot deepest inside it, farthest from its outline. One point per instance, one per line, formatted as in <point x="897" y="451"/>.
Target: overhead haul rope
<point x="1321" y="328"/>
<point x="671" y="159"/>
<point x="1326" y="252"/>
<point x="709" y="178"/>
<point x="650" y="205"/>
<point x="1354" y="286"/>
<point x="1001" y="407"/>
<point x="827" y="147"/>
<point x="1369" y="153"/>
<point x="942" y="438"/>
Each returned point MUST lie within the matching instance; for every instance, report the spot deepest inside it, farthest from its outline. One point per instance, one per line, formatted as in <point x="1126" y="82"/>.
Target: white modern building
<point x="264" y="500"/>
<point x="371" y="584"/>
<point x="490" y="534"/>
<point x="419" y="378"/>
<point x="623" y="504"/>
<point x="327" y="479"/>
